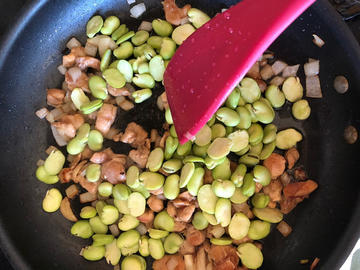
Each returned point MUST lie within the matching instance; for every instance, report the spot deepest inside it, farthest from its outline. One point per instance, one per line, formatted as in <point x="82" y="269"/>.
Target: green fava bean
<point x="211" y="219"/>
<point x="287" y="138"/>
<point x="233" y="99"/>
<point x="43" y="176"/>
<point x="114" y="78"/>
<point x="272" y="215"/>
<point x="128" y="239"/>
<point x="105" y="60"/>
<point x="144" y="81"/>
<point x="95" y="140"/>
<point x="158" y="234"/>
<point x="184" y="149"/>
<point x="238" y="197"/>
<point x="248" y="188"/>
<point x="97" y="225"/>
<point x="94" y="25"/>
<point x="262" y="175"/>
<point x="256" y="134"/>
<point x="228" y="116"/>
<point x="157" y="68"/>
<point x="140" y="37"/>
<point x="275" y="96"/>
<point x="267" y="150"/>
<point x="141" y="95"/>
<point x="241" y="101"/>
<point x="155" y="42"/>
<point x="102" y="239"/>
<point x="240" y="139"/>
<point x="136" y="204"/>
<point x="259" y="229"/>
<point x="126" y="251"/>
<point x="245" y="117"/>
<point x="239" y="226"/>
<point x="110" y="25"/>
<point x="92" y="106"/>
<point x="82" y="229"/>
<point x="196" y="181"/>
<point x="301" y="109"/>
<point x="163" y="221"/>
<point x="114" y="64"/>
<point x="133" y="262"/>
<point x="168" y="116"/>
<point x="52" y="200"/>
<point x="142" y="190"/>
<point x="162" y="28"/>
<point x="193" y="159"/>
<point x="292" y="89"/>
<point x="219" y="148"/>
<point x="94" y="253"/>
<point x="237" y="176"/>
<point x="199" y="221"/>
<point x="256" y="149"/>
<point x="269" y="133"/>
<point x="250" y="109"/>
<point x="217" y="131"/>
<point x="168" y="48"/>
<point x="112" y="253"/>
<point x="109" y="214"/>
<point x="88" y="212"/>
<point x="156" y="249"/>
<point x="171" y="145"/>
<point x="223" y="188"/>
<point x="243" y="151"/>
<point x="207" y="199"/>
<point x="143" y="68"/>
<point x="182" y="32"/>
<point x="173" y="131"/>
<point x="105" y="189"/>
<point x="211" y="121"/>
<point x="222" y="171"/>
<point x="264" y="113"/>
<point x="203" y="137"/>
<point x="125" y="37"/>
<point x="172" y="243"/>
<point x="155" y="160"/>
<point x="124" y="51"/>
<point x="144" y="246"/>
<point x="187" y="172"/>
<point x="249" y="160"/>
<point x="152" y="180"/>
<point x="249" y="90"/>
<point x="229" y="130"/>
<point x="132" y="177"/>
<point x="200" y="151"/>
<point x="54" y="162"/>
<point x="250" y="255"/>
<point x="79" y="98"/>
<point x="128" y="222"/>
<point x="260" y="200"/>
<point x="122" y="206"/>
<point x="197" y="17"/>
<point x="93" y="172"/>
<point x="171" y="187"/>
<point x="97" y="87"/>
<point x="121" y="192"/>
<point x="99" y="206"/>
<point x="172" y="165"/>
<point x="223" y="211"/>
<point x="120" y="31"/>
<point x="221" y="241"/>
<point x="125" y="69"/>
<point x="212" y="163"/>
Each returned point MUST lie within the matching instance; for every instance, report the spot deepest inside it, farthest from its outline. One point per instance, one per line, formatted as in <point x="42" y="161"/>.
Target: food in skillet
<point x="205" y="204"/>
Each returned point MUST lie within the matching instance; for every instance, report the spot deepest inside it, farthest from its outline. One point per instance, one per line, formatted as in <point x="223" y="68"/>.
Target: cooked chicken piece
<point x="274" y="190"/>
<point x="147" y="217"/>
<point x="186" y="248"/>
<point x="55" y="97"/>
<point x="66" y="130"/>
<point x="134" y="134"/>
<point x="174" y="14"/>
<point x="75" y="78"/>
<point x="194" y="236"/>
<point x="179" y="226"/>
<point x="140" y="155"/>
<point x="113" y="171"/>
<point x="169" y="262"/>
<point x="105" y="118"/>
<point x="85" y="62"/>
<point x="184" y="214"/>
<point x="224" y="255"/>
<point x="116" y="92"/>
<point x="155" y="203"/>
<point x="69" y="60"/>
<point x="74" y="119"/>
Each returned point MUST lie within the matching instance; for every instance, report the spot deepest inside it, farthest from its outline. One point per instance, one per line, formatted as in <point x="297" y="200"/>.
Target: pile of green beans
<point x="242" y="127"/>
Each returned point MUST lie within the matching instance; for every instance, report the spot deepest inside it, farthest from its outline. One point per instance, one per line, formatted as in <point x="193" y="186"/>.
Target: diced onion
<point x="60" y="140"/>
<point x="313" y="88"/>
<point x="105" y="43"/>
<point x="318" y="41"/>
<point x="290" y="71"/>
<point x="42" y="113"/>
<point x="87" y="197"/>
<point x="90" y="49"/>
<point x="117" y="267"/>
<point x="119" y="100"/>
<point x="74" y="73"/>
<point x="278" y="67"/>
<point x="141" y="229"/>
<point x="130" y="1"/>
<point x="277" y="80"/>
<point x="40" y="162"/>
<point x="312" y="68"/>
<point x="72" y="43"/>
<point x="284" y="228"/>
<point x="146" y="26"/>
<point x="62" y="69"/>
<point x="126" y="105"/>
<point x="184" y="21"/>
<point x="160" y="103"/>
<point x="57" y="113"/>
<point x="114" y="229"/>
<point x="137" y="10"/>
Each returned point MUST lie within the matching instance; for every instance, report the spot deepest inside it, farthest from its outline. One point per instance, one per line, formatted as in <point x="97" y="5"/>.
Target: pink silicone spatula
<point x="213" y="60"/>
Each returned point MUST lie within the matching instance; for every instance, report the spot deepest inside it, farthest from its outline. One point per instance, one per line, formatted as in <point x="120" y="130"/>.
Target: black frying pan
<point x="326" y="226"/>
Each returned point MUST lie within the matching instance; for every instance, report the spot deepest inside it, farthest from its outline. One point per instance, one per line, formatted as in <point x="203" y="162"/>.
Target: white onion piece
<point x="313" y="88"/>
<point x="318" y="41"/>
<point x="137" y="10"/>
<point x="312" y="68"/>
<point x="60" y="140"/>
<point x="146" y="26"/>
<point x="278" y="67"/>
<point x="72" y="43"/>
<point x="184" y="21"/>
<point x="74" y="73"/>
<point x="105" y="43"/>
<point x="290" y="71"/>
<point x="62" y="69"/>
<point x="42" y="113"/>
<point x="90" y="49"/>
<point x="141" y="228"/>
<point x="130" y="1"/>
<point x="277" y="80"/>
